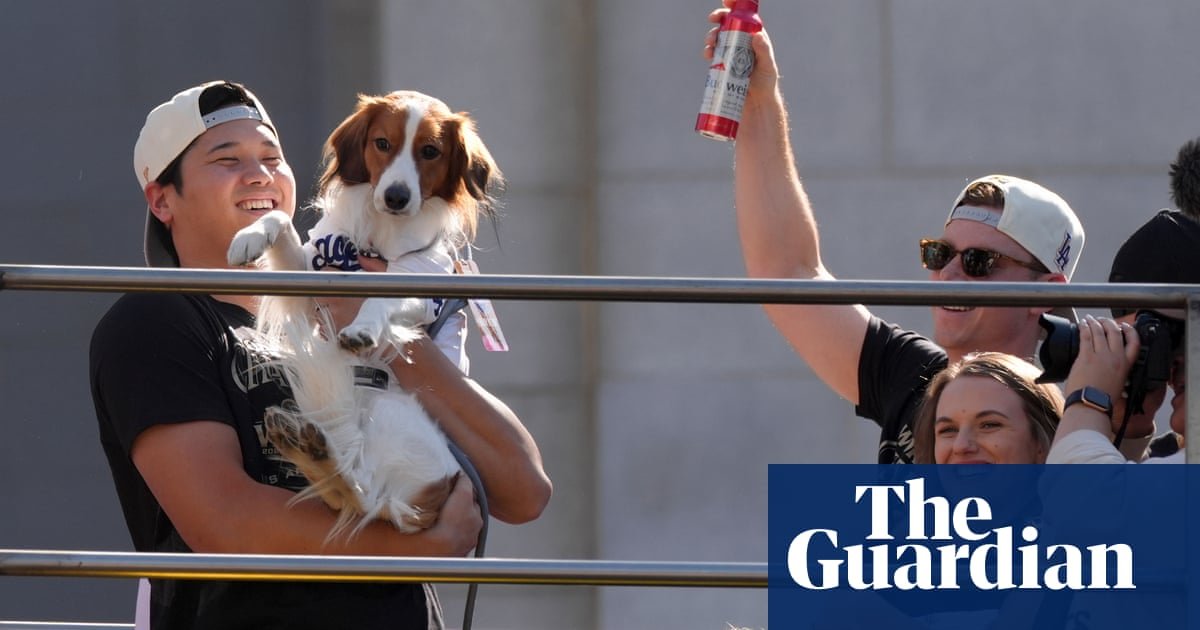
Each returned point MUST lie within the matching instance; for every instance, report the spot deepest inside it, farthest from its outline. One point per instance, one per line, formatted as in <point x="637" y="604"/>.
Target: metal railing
<point x="61" y="625"/>
<point x="520" y="287"/>
<point x="597" y="288"/>
<point x="378" y="569"/>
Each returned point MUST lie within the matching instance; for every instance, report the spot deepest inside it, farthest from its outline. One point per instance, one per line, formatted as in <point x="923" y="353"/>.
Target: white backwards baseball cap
<point x="1037" y="219"/>
<point x="169" y="130"/>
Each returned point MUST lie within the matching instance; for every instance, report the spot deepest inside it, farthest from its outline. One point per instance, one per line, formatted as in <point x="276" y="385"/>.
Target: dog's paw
<point x="304" y="439"/>
<point x="358" y="337"/>
<point x="424" y="506"/>
<point x="252" y="241"/>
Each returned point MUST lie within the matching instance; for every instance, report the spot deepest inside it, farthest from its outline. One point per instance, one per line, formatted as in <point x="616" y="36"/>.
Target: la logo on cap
<point x="1064" y="252"/>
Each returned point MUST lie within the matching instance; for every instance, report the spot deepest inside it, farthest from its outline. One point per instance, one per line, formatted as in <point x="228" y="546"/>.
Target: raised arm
<point x="779" y="233"/>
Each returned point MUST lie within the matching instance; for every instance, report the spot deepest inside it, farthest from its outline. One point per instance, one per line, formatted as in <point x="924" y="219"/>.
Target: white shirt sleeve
<point x="1085" y="447"/>
<point x="453" y="335"/>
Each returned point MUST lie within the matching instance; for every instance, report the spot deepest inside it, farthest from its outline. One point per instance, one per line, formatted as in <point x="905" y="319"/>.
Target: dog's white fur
<point x="371" y="453"/>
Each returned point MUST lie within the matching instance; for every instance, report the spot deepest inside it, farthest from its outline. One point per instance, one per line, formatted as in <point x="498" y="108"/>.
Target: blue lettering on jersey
<point x="337" y="251"/>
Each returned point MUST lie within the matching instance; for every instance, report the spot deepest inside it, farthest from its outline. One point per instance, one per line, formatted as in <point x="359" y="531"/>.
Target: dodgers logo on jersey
<point x="337" y="251"/>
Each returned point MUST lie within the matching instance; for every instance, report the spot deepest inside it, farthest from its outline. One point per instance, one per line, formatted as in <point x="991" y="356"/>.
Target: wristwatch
<point x="1091" y="397"/>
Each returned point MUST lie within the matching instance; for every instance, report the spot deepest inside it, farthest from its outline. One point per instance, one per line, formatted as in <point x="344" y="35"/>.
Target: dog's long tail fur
<point x="322" y="385"/>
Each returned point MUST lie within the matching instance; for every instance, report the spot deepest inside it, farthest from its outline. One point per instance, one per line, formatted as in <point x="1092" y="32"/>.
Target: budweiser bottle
<point x="729" y="75"/>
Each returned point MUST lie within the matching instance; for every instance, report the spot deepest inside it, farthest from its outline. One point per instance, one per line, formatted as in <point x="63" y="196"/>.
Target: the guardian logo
<point x="990" y="557"/>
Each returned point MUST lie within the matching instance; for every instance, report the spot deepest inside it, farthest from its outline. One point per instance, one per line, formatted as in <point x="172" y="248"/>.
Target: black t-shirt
<point x="172" y="358"/>
<point x="894" y="369"/>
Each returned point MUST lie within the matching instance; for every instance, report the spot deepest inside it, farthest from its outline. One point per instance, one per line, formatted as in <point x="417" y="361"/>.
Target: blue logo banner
<point x="961" y="546"/>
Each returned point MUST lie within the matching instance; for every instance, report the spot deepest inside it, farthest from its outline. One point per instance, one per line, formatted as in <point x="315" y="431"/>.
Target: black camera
<point x="1160" y="337"/>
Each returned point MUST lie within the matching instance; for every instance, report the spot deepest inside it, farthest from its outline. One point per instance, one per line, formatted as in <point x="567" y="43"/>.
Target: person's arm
<point x="1106" y="352"/>
<point x="492" y="436"/>
<point x="195" y="471"/>
<point x="779" y="233"/>
<point x="499" y="446"/>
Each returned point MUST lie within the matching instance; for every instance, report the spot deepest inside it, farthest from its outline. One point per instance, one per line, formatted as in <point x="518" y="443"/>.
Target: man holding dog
<point x="181" y="418"/>
<point x="1000" y="228"/>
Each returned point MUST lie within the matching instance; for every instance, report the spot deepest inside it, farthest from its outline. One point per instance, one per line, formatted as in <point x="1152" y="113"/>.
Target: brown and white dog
<point x="407" y="180"/>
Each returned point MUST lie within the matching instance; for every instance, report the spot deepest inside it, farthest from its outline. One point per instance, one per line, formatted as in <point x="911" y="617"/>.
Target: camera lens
<point x="1059" y="349"/>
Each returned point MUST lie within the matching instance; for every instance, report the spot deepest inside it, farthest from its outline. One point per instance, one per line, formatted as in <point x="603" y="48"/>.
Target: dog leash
<point x="473" y="475"/>
<point x="450" y="307"/>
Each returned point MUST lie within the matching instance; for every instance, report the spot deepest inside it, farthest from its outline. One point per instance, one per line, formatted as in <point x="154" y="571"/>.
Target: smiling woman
<point x="987" y="409"/>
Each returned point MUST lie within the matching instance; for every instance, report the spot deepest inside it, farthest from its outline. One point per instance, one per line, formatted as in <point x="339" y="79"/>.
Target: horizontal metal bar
<point x="605" y="288"/>
<point x="295" y="568"/>
<point x="61" y="625"/>
<point x="373" y="569"/>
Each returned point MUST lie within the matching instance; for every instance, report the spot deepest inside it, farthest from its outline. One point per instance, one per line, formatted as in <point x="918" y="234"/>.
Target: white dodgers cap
<point x="169" y="130"/>
<point x="1033" y="216"/>
<point x="1037" y="219"/>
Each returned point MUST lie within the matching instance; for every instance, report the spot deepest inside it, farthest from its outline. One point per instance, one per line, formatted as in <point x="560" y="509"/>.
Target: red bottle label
<point x="728" y="82"/>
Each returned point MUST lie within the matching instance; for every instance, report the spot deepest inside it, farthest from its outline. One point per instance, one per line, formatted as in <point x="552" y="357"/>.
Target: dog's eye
<point x="430" y="152"/>
<point x="382" y="144"/>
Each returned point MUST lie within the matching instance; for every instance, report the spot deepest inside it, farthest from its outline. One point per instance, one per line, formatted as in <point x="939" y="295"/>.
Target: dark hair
<point x="211" y="99"/>
<point x="1185" y="179"/>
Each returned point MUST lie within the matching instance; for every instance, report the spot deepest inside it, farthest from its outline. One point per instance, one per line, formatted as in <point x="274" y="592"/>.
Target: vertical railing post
<point x="1192" y="359"/>
<point x="1192" y="365"/>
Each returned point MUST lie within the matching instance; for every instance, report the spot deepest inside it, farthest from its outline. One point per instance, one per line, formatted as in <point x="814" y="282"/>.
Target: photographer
<point x="1166" y="249"/>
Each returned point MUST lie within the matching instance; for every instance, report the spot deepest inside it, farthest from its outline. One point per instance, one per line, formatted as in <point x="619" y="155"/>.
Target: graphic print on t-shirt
<point x="255" y="372"/>
<point x="899" y="450"/>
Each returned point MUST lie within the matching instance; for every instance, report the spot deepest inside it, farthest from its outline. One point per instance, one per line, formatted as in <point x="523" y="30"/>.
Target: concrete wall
<point x="656" y="420"/>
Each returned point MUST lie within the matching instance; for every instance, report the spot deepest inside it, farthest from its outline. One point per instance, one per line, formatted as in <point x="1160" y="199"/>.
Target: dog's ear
<point x="473" y="163"/>
<point x="343" y="153"/>
<point x="471" y="174"/>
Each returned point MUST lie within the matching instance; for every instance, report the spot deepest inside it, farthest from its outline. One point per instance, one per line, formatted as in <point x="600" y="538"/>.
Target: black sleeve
<point x="155" y="359"/>
<point x="893" y="370"/>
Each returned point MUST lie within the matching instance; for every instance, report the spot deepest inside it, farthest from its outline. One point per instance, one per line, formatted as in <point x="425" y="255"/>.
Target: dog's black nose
<point x="397" y="196"/>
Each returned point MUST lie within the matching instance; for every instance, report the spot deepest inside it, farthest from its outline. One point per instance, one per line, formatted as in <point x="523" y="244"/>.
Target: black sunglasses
<point x="976" y="262"/>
